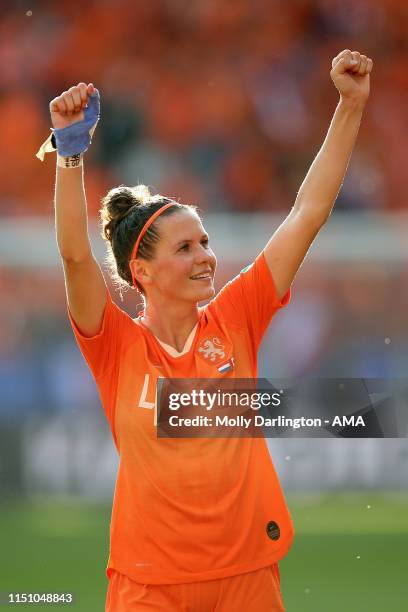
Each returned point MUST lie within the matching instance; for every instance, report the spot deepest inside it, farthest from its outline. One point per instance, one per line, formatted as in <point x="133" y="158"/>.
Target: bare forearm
<point x="321" y="186"/>
<point x="71" y="214"/>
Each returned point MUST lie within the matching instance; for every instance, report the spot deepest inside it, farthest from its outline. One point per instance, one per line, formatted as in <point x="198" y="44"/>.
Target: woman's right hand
<point x="68" y="108"/>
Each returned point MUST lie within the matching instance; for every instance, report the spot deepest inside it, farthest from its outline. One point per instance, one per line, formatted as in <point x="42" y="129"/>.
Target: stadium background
<point x="222" y="104"/>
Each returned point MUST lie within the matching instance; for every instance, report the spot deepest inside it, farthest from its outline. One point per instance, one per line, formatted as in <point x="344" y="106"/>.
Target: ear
<point x="141" y="271"/>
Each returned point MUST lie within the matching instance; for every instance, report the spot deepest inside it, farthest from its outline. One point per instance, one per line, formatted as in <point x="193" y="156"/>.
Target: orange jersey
<point x="188" y="510"/>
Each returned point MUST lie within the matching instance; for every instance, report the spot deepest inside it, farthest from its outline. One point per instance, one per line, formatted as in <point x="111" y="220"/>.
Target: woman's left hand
<point x="351" y="75"/>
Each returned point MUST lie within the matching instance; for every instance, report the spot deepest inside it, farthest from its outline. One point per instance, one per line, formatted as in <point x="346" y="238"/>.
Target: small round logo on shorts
<point x="273" y="531"/>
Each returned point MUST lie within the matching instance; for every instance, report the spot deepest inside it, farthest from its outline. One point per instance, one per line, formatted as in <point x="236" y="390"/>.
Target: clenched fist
<point x="351" y="75"/>
<point x="68" y="108"/>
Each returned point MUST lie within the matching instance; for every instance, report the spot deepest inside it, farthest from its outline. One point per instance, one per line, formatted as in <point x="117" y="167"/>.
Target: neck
<point x="172" y="323"/>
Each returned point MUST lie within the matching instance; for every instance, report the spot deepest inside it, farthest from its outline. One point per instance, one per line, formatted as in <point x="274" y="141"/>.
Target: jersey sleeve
<point x="102" y="352"/>
<point x="250" y="299"/>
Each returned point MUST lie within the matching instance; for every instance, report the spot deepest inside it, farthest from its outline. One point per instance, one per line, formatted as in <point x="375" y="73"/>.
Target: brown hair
<point x="123" y="214"/>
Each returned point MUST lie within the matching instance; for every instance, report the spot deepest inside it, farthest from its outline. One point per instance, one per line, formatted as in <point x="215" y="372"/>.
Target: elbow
<point x="70" y="257"/>
<point x="308" y="214"/>
<point x="73" y="248"/>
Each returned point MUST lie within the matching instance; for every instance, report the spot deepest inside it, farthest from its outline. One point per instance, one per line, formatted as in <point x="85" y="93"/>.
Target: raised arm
<point x="290" y="243"/>
<point x="84" y="282"/>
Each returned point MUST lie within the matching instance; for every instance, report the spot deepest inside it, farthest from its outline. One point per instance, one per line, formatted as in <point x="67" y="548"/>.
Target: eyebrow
<point x="186" y="240"/>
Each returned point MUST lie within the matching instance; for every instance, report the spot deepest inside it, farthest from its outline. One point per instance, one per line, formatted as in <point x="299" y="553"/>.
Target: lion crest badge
<point x="212" y="350"/>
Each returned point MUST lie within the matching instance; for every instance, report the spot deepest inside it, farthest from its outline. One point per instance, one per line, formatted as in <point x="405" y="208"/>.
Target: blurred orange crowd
<point x="219" y="103"/>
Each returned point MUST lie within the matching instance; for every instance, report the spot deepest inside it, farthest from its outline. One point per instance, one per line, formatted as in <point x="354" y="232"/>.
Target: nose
<point x="205" y="256"/>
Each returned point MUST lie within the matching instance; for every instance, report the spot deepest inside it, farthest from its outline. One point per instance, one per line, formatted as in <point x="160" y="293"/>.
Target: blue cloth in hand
<point x="77" y="137"/>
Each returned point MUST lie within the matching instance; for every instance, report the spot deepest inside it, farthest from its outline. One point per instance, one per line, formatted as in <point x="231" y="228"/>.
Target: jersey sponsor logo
<point x="212" y="350"/>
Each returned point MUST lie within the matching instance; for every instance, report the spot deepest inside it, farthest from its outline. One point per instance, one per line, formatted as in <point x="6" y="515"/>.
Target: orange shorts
<point x="257" y="591"/>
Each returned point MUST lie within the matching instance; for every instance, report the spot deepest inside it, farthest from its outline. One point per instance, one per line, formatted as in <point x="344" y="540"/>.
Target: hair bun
<point x="117" y="204"/>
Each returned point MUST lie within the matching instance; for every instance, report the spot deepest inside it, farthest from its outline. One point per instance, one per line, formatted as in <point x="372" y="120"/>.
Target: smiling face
<point x="182" y="253"/>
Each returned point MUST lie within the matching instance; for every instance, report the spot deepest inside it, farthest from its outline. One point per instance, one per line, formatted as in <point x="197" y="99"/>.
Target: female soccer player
<point x="197" y="524"/>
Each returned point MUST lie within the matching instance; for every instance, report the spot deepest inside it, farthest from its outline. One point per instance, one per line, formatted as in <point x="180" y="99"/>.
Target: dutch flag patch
<point x="226" y="367"/>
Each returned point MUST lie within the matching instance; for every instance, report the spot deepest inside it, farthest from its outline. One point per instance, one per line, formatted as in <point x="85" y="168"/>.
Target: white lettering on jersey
<point x="143" y="403"/>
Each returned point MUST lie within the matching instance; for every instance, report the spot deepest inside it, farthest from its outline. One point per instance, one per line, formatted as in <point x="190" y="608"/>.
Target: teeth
<point x="201" y="276"/>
